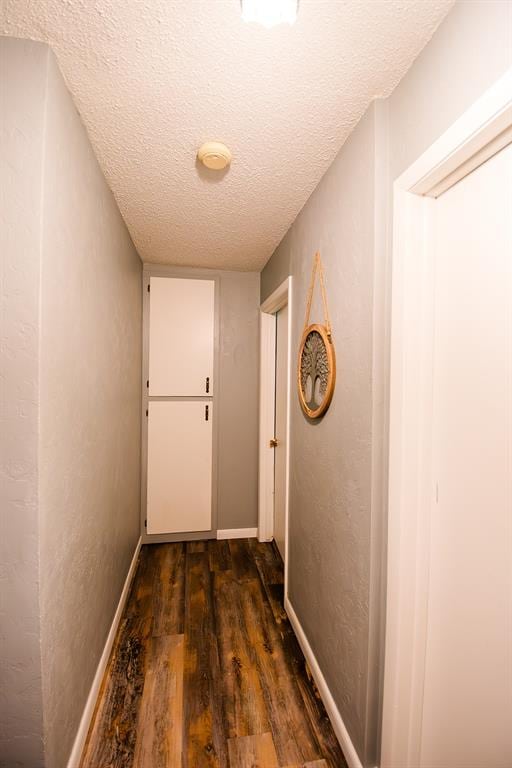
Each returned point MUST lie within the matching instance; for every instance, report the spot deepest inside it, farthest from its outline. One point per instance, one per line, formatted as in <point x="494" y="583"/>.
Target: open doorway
<point x="275" y="386"/>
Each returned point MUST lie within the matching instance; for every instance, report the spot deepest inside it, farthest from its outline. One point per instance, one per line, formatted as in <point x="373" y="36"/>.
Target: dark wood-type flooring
<point x="206" y="671"/>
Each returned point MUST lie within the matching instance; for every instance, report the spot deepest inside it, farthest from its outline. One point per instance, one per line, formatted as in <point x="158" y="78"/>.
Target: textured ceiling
<point x="153" y="79"/>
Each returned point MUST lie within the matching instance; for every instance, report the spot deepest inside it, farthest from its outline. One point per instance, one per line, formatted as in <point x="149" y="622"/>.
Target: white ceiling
<point x="153" y="79"/>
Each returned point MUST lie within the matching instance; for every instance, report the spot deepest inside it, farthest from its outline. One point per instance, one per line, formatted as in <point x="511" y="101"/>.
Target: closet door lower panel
<point x="179" y="490"/>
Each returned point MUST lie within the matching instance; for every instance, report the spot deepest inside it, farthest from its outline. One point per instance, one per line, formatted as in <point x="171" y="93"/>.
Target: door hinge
<point x="145" y="523"/>
<point x="273" y="443"/>
<point x="147" y="383"/>
<point x="147" y="412"/>
<point x="207" y="384"/>
<point x="206" y="412"/>
<point x="149" y="288"/>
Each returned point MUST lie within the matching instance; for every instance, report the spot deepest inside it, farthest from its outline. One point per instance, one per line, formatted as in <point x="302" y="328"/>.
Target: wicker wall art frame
<point x="316" y="370"/>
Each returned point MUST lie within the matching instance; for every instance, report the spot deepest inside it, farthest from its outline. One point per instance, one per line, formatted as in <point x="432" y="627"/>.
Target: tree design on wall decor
<point x="317" y="363"/>
<point x="314" y="370"/>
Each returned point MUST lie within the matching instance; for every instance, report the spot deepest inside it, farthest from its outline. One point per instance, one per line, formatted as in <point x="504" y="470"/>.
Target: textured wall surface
<point x="469" y="52"/>
<point x="238" y="400"/>
<point x="90" y="359"/>
<point x="71" y="357"/>
<point x="331" y="459"/>
<point x="154" y="79"/>
<point x="23" y="69"/>
<point x="338" y="466"/>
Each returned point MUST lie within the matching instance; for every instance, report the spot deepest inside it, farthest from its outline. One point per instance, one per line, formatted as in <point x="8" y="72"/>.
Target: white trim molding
<point x="280" y="298"/>
<point x="340" y="729"/>
<point x="470" y="140"/>
<point x="237" y="533"/>
<point x="85" y="722"/>
<point x="267" y="414"/>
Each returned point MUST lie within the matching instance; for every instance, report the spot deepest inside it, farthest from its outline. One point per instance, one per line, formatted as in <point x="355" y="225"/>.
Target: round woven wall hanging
<point x="316" y="374"/>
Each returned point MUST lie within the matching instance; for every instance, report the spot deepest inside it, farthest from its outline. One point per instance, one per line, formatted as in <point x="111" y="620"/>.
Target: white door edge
<point x="410" y="409"/>
<point x="281" y="297"/>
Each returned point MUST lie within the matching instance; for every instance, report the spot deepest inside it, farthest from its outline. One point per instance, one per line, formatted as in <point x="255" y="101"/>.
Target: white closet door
<point x="181" y="337"/>
<point x="179" y="492"/>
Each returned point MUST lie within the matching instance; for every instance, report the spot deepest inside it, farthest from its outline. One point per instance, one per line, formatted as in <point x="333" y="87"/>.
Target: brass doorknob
<point x="273" y="443"/>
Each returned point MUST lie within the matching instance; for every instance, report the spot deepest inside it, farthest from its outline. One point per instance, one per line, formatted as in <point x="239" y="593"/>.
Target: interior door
<point x="281" y="426"/>
<point x="179" y="479"/>
<point x="181" y="337"/>
<point x="467" y="709"/>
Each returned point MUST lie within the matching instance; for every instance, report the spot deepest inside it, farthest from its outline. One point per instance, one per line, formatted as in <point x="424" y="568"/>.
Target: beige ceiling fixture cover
<point x="214" y="155"/>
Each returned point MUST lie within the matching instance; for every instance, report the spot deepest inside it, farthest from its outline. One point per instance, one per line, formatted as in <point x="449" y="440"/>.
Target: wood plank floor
<point x="206" y="671"/>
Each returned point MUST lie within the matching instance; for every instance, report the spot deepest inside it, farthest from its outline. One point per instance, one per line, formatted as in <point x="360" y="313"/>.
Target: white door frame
<point x="479" y="133"/>
<point x="281" y="297"/>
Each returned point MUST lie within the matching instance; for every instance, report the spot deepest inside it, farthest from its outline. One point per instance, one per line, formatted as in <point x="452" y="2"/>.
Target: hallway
<point x="206" y="665"/>
<point x="255" y="384"/>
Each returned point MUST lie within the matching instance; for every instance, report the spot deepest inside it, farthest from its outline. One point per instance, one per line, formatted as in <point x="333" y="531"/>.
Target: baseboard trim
<point x="237" y="533"/>
<point x="338" y="725"/>
<point x="83" y="728"/>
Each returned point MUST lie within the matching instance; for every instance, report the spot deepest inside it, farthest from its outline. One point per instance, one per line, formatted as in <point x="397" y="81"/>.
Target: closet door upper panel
<point x="181" y="337"/>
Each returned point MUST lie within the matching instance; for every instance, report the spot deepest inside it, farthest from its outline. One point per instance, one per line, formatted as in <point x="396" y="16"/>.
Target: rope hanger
<point x="318" y="267"/>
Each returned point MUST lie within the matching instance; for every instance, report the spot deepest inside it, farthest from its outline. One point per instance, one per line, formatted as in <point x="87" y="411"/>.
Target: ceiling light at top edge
<point x="270" y="13"/>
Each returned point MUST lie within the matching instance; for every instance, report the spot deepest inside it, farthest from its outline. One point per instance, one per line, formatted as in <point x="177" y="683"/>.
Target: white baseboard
<point x="338" y="725"/>
<point x="237" y="533"/>
<point x="83" y="728"/>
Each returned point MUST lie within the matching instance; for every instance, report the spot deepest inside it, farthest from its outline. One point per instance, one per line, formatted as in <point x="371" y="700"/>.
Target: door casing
<point x="481" y="131"/>
<point x="281" y="297"/>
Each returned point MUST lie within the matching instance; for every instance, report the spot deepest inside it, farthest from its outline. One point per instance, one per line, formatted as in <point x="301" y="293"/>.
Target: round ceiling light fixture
<point x="214" y="155"/>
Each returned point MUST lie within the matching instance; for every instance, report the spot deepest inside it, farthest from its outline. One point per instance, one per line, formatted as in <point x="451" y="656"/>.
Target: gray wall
<point x="238" y="400"/>
<point x="22" y="103"/>
<point x="90" y="358"/>
<point x="87" y="399"/>
<point x="338" y="466"/>
<point x="471" y="49"/>
<point x="331" y="475"/>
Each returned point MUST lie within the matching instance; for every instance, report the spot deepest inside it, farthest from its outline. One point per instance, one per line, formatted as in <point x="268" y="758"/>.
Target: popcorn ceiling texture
<point x="154" y="79"/>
